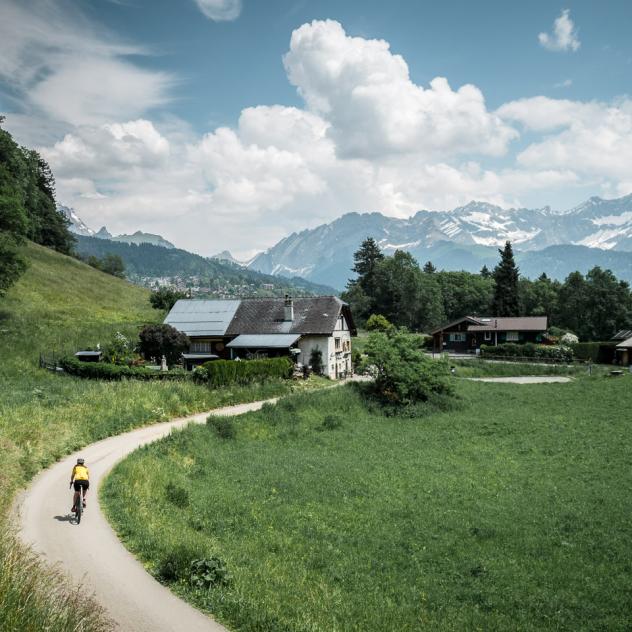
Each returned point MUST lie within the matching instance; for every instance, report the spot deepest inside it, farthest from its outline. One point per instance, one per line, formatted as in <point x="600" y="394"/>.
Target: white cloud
<point x="564" y="36"/>
<point x="593" y="139"/>
<point x="65" y="68"/>
<point x="220" y="10"/>
<point x="365" y="93"/>
<point x="566" y="83"/>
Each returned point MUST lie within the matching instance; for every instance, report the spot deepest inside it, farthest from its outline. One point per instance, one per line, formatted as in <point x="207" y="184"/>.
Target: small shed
<point x="624" y="352"/>
<point x="191" y="360"/>
<point x="89" y="356"/>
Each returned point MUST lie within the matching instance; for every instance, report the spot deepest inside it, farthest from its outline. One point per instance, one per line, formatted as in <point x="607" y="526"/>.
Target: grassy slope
<point x="61" y="304"/>
<point x="510" y="513"/>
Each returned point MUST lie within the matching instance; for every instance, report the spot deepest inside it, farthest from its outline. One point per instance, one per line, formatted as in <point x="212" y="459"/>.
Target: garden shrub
<point x="404" y="374"/>
<point x="316" y="361"/>
<point x="223" y="426"/>
<point x="600" y="352"/>
<point x="177" y="495"/>
<point x="218" y="373"/>
<point x="528" y="350"/>
<point x="106" y="371"/>
<point x="208" y="572"/>
<point x="377" y="322"/>
<point x="159" y="340"/>
<point x="175" y="562"/>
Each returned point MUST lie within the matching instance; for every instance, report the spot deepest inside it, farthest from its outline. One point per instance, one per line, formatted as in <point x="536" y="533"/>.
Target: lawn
<point x="60" y="305"/>
<point x="510" y="511"/>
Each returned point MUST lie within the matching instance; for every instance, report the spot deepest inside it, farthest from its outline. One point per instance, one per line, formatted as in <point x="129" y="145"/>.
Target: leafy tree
<point x="113" y="264"/>
<point x="539" y="297"/>
<point x="377" y="322"/>
<point x="572" y="299"/>
<point x="12" y="263"/>
<point x="165" y="298"/>
<point x="358" y="301"/>
<point x="506" y="299"/>
<point x="463" y="293"/>
<point x="159" y="340"/>
<point x="429" y="267"/>
<point x="404" y="374"/>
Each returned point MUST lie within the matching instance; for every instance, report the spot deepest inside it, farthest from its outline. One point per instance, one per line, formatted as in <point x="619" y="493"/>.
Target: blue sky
<point x="198" y="118"/>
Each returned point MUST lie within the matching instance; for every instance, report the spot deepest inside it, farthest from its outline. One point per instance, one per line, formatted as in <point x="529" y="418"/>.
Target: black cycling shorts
<point x="80" y="484"/>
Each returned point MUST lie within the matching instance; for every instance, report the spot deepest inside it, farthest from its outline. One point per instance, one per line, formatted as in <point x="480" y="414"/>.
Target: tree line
<point x="593" y="306"/>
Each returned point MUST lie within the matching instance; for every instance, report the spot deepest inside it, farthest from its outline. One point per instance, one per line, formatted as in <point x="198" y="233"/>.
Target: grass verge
<point x="508" y="513"/>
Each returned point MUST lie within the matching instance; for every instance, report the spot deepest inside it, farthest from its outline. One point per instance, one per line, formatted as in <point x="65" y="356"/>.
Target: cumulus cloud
<point x="364" y="92"/>
<point x="564" y="36"/>
<point x="220" y="10"/>
<point x="63" y="67"/>
<point x="593" y="139"/>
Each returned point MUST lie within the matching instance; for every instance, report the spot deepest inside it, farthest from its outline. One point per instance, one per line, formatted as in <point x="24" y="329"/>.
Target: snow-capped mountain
<point x="325" y="253"/>
<point x="76" y="224"/>
<point x="78" y="227"/>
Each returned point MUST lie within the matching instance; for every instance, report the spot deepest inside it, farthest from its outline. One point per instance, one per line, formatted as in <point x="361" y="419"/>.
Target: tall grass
<point x="509" y="512"/>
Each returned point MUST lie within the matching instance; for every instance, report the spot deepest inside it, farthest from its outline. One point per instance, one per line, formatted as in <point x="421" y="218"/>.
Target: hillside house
<point x="467" y="334"/>
<point x="267" y="327"/>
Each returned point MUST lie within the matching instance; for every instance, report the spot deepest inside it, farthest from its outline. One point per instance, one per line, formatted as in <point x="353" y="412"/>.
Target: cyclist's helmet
<point x="80" y="461"/>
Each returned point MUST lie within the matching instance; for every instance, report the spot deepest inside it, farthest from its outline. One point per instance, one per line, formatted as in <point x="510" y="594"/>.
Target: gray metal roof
<point x="202" y="318"/>
<point x="264" y="341"/>
<point x="626" y="344"/>
<point x="624" y="334"/>
<point x="199" y="356"/>
<point x="524" y="323"/>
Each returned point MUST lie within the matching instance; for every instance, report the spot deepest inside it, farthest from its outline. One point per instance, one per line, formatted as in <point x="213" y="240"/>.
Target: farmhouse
<point x="267" y="327"/>
<point x="467" y="334"/>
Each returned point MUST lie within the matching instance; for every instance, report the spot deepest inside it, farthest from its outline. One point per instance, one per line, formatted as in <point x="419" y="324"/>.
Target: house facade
<point x="467" y="334"/>
<point x="267" y="327"/>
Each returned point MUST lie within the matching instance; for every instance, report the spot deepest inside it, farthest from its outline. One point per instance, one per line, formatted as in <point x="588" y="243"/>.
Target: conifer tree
<point x="485" y="273"/>
<point x="506" y="299"/>
<point x="429" y="267"/>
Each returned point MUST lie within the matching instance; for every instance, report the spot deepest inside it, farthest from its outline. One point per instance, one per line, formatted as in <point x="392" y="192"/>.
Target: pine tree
<point x="429" y="268"/>
<point x="485" y="273"/>
<point x="506" y="299"/>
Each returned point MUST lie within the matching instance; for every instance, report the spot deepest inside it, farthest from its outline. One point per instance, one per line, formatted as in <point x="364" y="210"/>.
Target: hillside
<point x="146" y="261"/>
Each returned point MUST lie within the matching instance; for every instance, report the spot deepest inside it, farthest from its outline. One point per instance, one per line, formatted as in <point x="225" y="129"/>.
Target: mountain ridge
<point x="324" y="254"/>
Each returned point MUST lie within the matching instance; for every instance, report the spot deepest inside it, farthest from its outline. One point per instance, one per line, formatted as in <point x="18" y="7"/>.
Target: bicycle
<point x="78" y="504"/>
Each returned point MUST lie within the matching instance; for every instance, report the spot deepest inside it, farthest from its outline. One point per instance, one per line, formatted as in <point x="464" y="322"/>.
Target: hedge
<point x="528" y="350"/>
<point x="106" y="371"/>
<point x="601" y="352"/>
<point x="227" y="372"/>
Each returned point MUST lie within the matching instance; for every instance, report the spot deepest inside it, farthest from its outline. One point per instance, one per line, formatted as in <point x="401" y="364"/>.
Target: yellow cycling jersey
<point x="80" y="473"/>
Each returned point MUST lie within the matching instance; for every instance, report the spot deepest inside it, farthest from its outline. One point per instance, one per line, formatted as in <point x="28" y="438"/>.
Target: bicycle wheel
<point x="79" y="508"/>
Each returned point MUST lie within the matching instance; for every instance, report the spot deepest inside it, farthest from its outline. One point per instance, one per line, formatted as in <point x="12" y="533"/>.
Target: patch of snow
<point x="613" y="220"/>
<point x="411" y="244"/>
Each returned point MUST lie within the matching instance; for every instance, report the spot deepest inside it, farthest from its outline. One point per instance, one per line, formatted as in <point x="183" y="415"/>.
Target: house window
<point x="200" y="347"/>
<point x="488" y="335"/>
<point x="512" y="336"/>
<point x="457" y="337"/>
<point x="337" y="341"/>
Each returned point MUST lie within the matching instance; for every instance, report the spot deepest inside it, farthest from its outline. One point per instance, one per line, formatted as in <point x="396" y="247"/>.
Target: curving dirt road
<point x="91" y="553"/>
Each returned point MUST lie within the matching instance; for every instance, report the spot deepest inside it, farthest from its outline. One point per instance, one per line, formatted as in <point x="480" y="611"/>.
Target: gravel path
<point x="532" y="379"/>
<point x="91" y="553"/>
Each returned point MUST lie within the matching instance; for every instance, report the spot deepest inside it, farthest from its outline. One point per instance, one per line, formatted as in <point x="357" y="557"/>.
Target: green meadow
<point x="509" y="510"/>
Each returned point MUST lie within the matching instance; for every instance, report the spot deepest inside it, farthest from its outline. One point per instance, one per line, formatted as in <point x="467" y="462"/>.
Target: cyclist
<point x="80" y="477"/>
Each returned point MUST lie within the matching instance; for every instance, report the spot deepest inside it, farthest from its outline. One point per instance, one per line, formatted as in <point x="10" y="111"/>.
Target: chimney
<point x="288" y="313"/>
